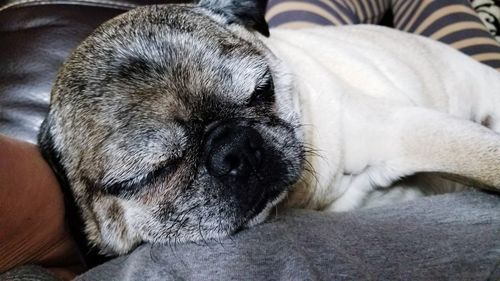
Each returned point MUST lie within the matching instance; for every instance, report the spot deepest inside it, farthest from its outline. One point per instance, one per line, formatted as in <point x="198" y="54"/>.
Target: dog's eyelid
<point x="136" y="183"/>
<point x="267" y="85"/>
<point x="265" y="79"/>
<point x="264" y="91"/>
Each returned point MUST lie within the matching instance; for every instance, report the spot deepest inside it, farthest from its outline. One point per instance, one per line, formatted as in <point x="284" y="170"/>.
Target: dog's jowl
<point x="175" y="123"/>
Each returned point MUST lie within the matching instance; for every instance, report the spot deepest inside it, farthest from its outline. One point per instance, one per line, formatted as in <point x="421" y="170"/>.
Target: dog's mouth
<point x="265" y="208"/>
<point x="261" y="210"/>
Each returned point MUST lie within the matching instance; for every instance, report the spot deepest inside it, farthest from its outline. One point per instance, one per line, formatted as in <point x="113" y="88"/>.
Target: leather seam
<point x="96" y="3"/>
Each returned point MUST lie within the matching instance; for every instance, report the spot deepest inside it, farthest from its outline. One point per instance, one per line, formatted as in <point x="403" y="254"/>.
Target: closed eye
<point x="133" y="185"/>
<point x="264" y="92"/>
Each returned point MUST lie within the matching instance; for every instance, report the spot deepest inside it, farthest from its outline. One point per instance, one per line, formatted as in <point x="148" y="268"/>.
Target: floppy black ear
<point x="249" y="13"/>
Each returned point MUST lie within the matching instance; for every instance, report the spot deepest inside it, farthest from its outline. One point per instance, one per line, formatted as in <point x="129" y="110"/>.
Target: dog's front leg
<point x="430" y="141"/>
<point x="384" y="143"/>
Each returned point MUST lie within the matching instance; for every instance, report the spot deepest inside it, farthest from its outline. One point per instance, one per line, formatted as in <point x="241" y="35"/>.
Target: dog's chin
<point x="259" y="213"/>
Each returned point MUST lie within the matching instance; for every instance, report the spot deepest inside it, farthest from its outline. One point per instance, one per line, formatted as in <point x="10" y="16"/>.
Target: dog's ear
<point x="73" y="215"/>
<point x="249" y="13"/>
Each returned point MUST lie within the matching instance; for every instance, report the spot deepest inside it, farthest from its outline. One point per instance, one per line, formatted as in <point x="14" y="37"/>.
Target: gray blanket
<point x="448" y="237"/>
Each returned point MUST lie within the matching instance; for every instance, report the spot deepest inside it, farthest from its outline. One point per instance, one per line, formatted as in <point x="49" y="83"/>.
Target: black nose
<point x="233" y="151"/>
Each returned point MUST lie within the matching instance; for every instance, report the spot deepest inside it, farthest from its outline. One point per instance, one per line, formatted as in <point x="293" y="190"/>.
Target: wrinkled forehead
<point x="196" y="65"/>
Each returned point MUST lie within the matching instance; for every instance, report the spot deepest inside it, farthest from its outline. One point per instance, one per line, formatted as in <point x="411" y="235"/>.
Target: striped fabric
<point x="453" y="22"/>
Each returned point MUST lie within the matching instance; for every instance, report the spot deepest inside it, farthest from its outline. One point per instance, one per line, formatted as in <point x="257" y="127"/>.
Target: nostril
<point x="220" y="163"/>
<point x="234" y="162"/>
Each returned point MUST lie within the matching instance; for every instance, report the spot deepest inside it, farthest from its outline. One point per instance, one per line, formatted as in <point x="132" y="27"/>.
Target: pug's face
<point x="173" y="123"/>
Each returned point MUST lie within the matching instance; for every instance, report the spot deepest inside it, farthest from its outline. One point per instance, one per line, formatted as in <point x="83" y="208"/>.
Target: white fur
<point x="379" y="105"/>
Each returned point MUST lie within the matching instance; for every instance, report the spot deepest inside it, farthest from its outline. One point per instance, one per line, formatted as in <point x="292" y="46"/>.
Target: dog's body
<point x="372" y="101"/>
<point x="175" y="123"/>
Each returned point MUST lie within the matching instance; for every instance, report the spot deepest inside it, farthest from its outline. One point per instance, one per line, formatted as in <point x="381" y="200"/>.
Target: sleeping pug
<point x="185" y="122"/>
